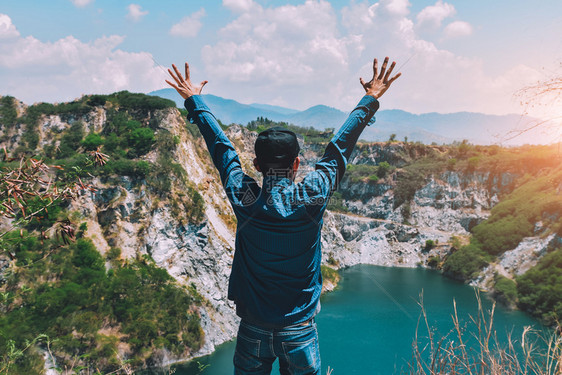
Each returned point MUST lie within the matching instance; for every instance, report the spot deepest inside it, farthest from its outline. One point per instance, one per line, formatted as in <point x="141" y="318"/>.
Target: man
<point x="275" y="279"/>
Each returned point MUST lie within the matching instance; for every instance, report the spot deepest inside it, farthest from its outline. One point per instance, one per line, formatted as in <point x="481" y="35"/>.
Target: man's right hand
<point x="184" y="86"/>
<point x="381" y="82"/>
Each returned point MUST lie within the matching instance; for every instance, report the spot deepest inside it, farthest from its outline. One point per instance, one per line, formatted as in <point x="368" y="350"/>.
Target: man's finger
<point x="186" y="71"/>
<point x="174" y="77"/>
<point x="383" y="69"/>
<point x="389" y="70"/>
<point x="394" y="78"/>
<point x="177" y="72"/>
<point x="375" y="63"/>
<point x="171" y="84"/>
<point x="362" y="82"/>
<point x="203" y="84"/>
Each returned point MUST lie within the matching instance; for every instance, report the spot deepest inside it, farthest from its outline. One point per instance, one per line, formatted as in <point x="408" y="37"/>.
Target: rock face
<point x="127" y="216"/>
<point x="517" y="261"/>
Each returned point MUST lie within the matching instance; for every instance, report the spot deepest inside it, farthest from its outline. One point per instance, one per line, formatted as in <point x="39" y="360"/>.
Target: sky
<point x="455" y="55"/>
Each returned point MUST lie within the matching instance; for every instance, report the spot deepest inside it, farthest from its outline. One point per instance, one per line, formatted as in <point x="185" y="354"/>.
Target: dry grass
<point x="536" y="353"/>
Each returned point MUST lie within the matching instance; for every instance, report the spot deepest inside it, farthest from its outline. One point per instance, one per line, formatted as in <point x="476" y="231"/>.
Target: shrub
<point x="361" y="172"/>
<point x="429" y="244"/>
<point x="136" y="298"/>
<point x="473" y="163"/>
<point x="406" y="211"/>
<point x="97" y="100"/>
<point x="142" y="102"/>
<point x="505" y="289"/>
<point x="113" y="253"/>
<point x="336" y="203"/>
<point x="140" y="140"/>
<point x="8" y="112"/>
<point x="124" y="167"/>
<point x="434" y="261"/>
<point x="465" y="263"/>
<point x="540" y="288"/>
<point x="408" y="183"/>
<point x="455" y="242"/>
<point x="329" y="274"/>
<point x="503" y="234"/>
<point x="451" y="164"/>
<point x="71" y="140"/>
<point x="92" y="141"/>
<point x="383" y="169"/>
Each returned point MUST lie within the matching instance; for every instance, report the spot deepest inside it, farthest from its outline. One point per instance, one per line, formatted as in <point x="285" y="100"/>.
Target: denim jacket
<point x="275" y="279"/>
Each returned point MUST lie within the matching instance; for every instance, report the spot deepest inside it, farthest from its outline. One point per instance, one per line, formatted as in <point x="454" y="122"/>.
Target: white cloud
<point x="7" y="28"/>
<point x="302" y="55"/>
<point x="396" y="7"/>
<point x="81" y="3"/>
<point x="457" y="29"/>
<point x="292" y="47"/>
<point x="189" y="26"/>
<point x="33" y="70"/>
<point x="434" y="15"/>
<point x="135" y="12"/>
<point x="238" y="5"/>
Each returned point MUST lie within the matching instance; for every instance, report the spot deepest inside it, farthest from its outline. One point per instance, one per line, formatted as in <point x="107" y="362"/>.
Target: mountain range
<point x="477" y="128"/>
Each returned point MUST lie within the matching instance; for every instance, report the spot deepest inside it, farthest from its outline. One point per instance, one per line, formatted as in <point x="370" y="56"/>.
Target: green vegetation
<point x="515" y="216"/>
<point x="71" y="140"/>
<point x="8" y="113"/>
<point x="430" y="244"/>
<point x="330" y="275"/>
<point x="135" y="298"/>
<point x="466" y="262"/>
<point x="383" y="169"/>
<point x="505" y="289"/>
<point x="499" y="235"/>
<point x="535" y="198"/>
<point x="92" y="141"/>
<point x="60" y="292"/>
<point x="336" y="203"/>
<point x="368" y="173"/>
<point x="310" y="134"/>
<point x="540" y="289"/>
<point x="434" y="261"/>
<point x="361" y="173"/>
<point x="129" y="137"/>
<point x="413" y="176"/>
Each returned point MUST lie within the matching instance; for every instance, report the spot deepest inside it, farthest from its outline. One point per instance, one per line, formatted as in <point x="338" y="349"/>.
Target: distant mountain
<point x="477" y="128"/>
<point x="274" y="108"/>
<point x="230" y="111"/>
<point x="319" y="116"/>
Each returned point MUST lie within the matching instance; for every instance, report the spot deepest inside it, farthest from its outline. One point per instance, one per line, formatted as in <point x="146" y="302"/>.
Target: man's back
<point x="276" y="279"/>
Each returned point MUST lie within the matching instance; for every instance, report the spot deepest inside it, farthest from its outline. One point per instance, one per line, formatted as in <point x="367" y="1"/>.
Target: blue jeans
<point x="295" y="346"/>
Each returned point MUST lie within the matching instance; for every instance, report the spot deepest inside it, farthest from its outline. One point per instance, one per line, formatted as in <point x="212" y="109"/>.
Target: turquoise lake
<point x="367" y="325"/>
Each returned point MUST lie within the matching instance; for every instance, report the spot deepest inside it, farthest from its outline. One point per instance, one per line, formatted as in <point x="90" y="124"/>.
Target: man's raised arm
<point x="222" y="152"/>
<point x="338" y="151"/>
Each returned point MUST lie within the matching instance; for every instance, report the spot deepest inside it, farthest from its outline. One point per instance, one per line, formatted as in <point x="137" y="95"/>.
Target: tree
<point x="545" y="93"/>
<point x="29" y="188"/>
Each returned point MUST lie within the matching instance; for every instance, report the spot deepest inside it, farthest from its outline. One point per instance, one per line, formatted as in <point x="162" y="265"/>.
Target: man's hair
<point x="276" y="149"/>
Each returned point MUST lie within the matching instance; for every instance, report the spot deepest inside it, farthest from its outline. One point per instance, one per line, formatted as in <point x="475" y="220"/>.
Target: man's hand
<point x="184" y="86"/>
<point x="379" y="84"/>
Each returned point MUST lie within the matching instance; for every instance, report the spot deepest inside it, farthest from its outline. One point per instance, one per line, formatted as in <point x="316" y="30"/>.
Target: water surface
<point x="368" y="324"/>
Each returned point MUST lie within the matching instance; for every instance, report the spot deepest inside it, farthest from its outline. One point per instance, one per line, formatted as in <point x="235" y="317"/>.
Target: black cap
<point x="276" y="147"/>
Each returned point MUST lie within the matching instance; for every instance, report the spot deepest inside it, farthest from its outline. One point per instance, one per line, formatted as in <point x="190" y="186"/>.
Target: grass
<point x="533" y="354"/>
